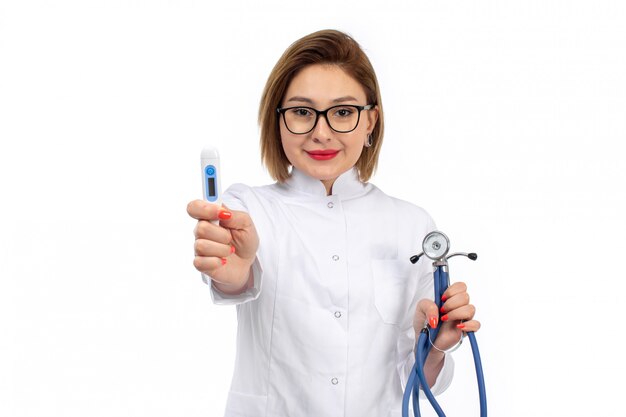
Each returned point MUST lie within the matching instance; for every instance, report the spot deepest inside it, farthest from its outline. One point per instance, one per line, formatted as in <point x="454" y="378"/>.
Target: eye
<point x="301" y="112"/>
<point x="343" y="112"/>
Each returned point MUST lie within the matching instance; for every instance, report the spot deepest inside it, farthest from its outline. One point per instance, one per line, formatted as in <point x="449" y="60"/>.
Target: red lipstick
<point x="323" y="154"/>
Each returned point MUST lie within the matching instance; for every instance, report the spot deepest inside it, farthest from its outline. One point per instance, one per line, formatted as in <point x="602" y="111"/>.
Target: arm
<point x="439" y="367"/>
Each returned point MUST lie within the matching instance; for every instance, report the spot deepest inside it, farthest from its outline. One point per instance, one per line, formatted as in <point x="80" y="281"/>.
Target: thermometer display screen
<point x="211" y="188"/>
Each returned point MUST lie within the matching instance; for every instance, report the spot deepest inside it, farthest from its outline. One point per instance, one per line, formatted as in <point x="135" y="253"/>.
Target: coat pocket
<point x="394" y="288"/>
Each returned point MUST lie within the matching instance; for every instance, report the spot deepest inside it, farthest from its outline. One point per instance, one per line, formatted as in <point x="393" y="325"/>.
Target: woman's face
<point x="323" y="153"/>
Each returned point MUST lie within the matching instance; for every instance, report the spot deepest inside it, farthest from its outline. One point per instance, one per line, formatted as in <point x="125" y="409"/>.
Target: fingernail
<point x="460" y="326"/>
<point x="223" y="261"/>
<point x="442" y="310"/>
<point x="444" y="298"/>
<point x="444" y="318"/>
<point x="232" y="249"/>
<point x="224" y="214"/>
<point x="433" y="322"/>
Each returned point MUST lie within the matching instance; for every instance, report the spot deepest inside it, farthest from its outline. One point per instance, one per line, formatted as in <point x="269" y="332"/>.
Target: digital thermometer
<point x="211" y="174"/>
<point x="211" y="184"/>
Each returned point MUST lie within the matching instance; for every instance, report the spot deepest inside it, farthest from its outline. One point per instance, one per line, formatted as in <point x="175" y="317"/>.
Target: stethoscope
<point x="435" y="246"/>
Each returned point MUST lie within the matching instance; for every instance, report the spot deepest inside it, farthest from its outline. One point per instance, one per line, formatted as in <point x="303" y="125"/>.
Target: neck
<point x="329" y="185"/>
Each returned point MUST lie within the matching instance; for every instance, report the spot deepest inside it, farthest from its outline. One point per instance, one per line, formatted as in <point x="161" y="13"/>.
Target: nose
<point x="321" y="131"/>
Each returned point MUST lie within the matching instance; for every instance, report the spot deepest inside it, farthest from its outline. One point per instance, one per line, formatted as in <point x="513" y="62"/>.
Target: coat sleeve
<point x="235" y="199"/>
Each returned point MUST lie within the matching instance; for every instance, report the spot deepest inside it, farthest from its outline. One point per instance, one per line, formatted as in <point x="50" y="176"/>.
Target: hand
<point x="226" y="251"/>
<point x="457" y="316"/>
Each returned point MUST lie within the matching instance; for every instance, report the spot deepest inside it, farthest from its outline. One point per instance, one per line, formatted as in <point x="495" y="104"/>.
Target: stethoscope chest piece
<point x="436" y="245"/>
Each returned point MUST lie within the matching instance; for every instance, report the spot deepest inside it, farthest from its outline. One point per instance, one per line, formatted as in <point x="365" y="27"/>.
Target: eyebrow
<point x="308" y="100"/>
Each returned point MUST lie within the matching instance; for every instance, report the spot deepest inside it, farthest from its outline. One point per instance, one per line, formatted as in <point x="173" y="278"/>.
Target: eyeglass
<point x="342" y="119"/>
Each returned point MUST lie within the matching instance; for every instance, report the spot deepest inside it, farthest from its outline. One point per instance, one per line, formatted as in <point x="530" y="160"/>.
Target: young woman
<point x="317" y="264"/>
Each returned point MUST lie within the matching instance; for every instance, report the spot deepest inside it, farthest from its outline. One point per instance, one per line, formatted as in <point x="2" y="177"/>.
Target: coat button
<point x="330" y="205"/>
<point x="337" y="314"/>
<point x="335" y="258"/>
<point x="334" y="381"/>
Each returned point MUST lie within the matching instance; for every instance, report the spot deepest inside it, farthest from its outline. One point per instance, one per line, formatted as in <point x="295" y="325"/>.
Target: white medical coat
<point x="326" y="330"/>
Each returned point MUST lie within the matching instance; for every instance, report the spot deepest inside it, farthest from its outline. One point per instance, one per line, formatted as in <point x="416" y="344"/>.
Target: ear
<point x="372" y="118"/>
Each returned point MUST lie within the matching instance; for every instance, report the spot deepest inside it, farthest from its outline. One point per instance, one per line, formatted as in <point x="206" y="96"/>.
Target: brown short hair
<point x="323" y="47"/>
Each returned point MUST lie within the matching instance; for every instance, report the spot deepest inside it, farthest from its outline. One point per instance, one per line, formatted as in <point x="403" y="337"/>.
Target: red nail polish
<point x="444" y="318"/>
<point x="224" y="214"/>
<point x="442" y="310"/>
<point x="460" y="326"/>
<point x="433" y="322"/>
<point x="232" y="249"/>
<point x="444" y="298"/>
<point x="223" y="261"/>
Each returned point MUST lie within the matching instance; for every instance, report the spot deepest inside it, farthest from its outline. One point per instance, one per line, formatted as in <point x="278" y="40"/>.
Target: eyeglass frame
<point x="318" y="113"/>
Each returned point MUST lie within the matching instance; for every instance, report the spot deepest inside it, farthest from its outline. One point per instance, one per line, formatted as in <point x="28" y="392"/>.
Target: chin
<point x="322" y="174"/>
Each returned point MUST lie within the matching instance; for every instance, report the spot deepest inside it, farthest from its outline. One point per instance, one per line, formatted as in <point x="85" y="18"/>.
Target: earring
<point x="369" y="141"/>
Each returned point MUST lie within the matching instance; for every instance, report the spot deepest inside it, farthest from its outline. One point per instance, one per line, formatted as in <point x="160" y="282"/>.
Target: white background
<point x="505" y="120"/>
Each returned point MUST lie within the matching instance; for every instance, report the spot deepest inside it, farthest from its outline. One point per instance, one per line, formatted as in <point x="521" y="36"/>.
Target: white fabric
<point x="327" y="328"/>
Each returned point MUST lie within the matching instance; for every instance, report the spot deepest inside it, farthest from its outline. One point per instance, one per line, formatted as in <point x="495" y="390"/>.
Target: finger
<point x="426" y="312"/>
<point x="236" y="220"/>
<point x="209" y="231"/>
<point x="208" y="264"/>
<point x="463" y="313"/>
<point x="456" y="288"/>
<point x="204" y="247"/>
<point x="456" y="301"/>
<point x="203" y="210"/>
<point x="469" y="326"/>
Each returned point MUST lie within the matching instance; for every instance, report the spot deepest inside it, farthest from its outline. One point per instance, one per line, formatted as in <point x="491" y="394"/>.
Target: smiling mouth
<point x="323" y="155"/>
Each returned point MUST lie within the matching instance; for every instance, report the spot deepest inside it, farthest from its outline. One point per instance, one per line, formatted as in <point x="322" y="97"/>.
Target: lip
<point x="323" y="154"/>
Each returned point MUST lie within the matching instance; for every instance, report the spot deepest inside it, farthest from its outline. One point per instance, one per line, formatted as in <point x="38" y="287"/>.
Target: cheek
<point x="286" y="149"/>
<point x="289" y="146"/>
<point x="282" y="140"/>
<point x="356" y="145"/>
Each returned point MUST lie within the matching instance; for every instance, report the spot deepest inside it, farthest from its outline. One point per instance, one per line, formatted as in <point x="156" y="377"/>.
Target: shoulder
<point x="405" y="210"/>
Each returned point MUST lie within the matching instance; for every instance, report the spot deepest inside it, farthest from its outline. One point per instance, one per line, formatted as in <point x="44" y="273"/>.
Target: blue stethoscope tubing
<point x="417" y="377"/>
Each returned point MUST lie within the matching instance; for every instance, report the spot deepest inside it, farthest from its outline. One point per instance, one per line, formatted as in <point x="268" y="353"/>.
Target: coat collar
<point x="347" y="185"/>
